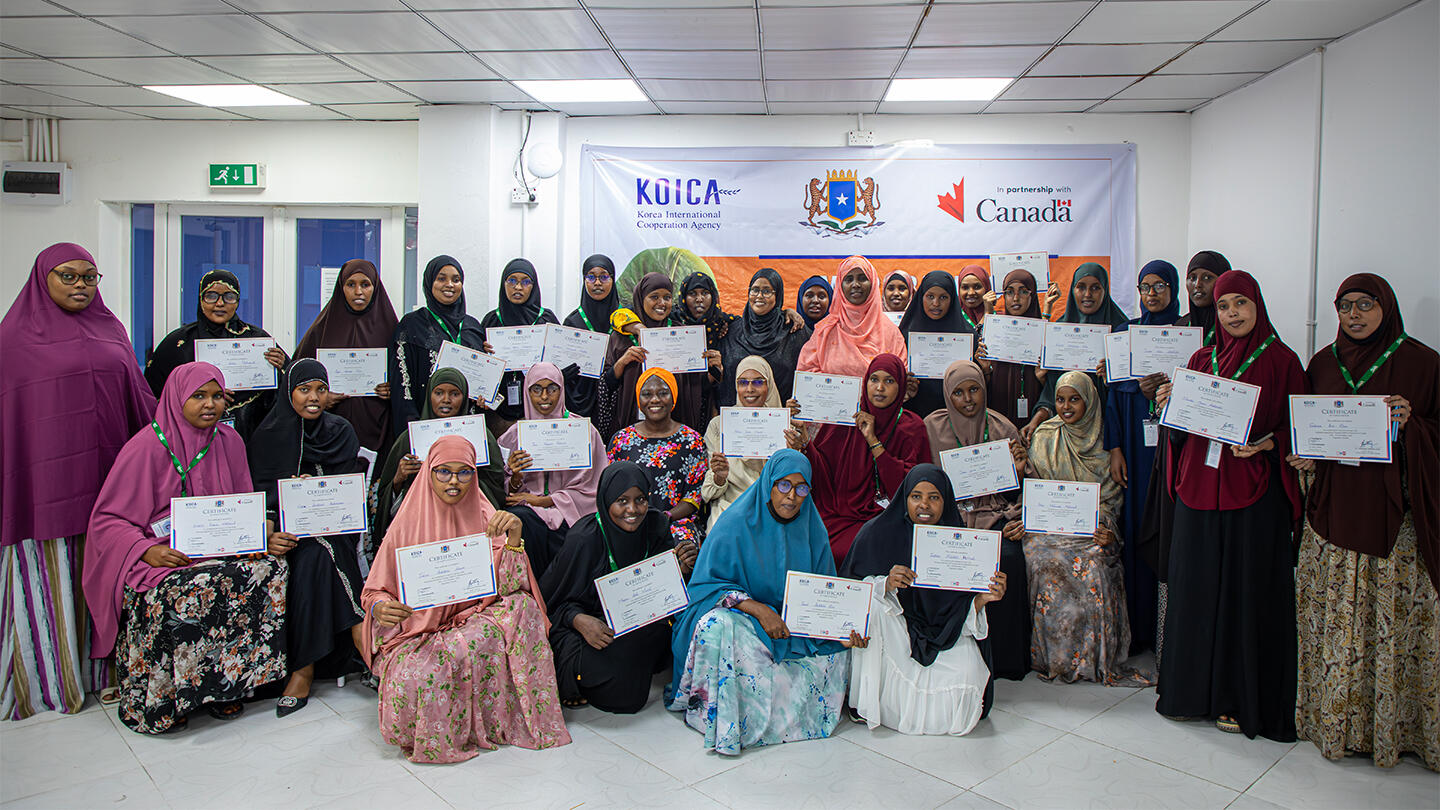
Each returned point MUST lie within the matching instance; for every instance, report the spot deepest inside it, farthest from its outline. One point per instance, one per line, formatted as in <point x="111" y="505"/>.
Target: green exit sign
<point x="237" y="175"/>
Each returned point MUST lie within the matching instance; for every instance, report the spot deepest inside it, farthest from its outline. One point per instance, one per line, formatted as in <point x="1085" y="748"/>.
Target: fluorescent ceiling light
<point x="227" y="95"/>
<point x="945" y="89"/>
<point x="569" y="91"/>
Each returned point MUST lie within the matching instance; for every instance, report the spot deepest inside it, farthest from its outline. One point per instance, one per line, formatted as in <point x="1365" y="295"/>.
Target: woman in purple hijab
<point x="186" y="633"/>
<point x="71" y="394"/>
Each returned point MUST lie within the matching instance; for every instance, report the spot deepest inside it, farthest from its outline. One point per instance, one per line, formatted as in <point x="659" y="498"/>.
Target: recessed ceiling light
<point x="946" y="89"/>
<point x="227" y="95"/>
<point x="569" y="91"/>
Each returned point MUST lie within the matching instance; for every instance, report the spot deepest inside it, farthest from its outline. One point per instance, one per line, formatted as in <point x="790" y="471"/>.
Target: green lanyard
<point x="1215" y="362"/>
<point x="454" y="336"/>
<point x="586" y="319"/>
<point x="966" y="316"/>
<point x="501" y="318"/>
<point x="1345" y="372"/>
<point x="1210" y="337"/>
<point x="610" y="554"/>
<point x="182" y="471"/>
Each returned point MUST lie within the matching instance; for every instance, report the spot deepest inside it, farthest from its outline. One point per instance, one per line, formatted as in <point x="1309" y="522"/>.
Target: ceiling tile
<point x="699" y="29"/>
<point x="1041" y="106"/>
<point x="208" y="34"/>
<point x="784" y="3"/>
<point x="71" y="36"/>
<point x="969" y="62"/>
<point x="284" y="68"/>
<point x="1088" y="87"/>
<point x="1188" y="86"/>
<point x="665" y="4"/>
<point x="878" y="63"/>
<point x="380" y="112"/>
<point x="154" y="70"/>
<point x="343" y="92"/>
<point x="687" y="90"/>
<point x="694" y="64"/>
<point x="1104" y="60"/>
<point x="932" y="107"/>
<point x="853" y="90"/>
<point x="526" y="29"/>
<point x="362" y="33"/>
<point x="93" y="8"/>
<point x="83" y="113"/>
<point x="322" y="5"/>
<point x="190" y="113"/>
<point x="1225" y="57"/>
<point x="846" y="27"/>
<point x="464" y="92"/>
<point x="609" y="108"/>
<point x="554" y="64"/>
<point x="418" y="66"/>
<point x="291" y="113"/>
<point x="1150" y="105"/>
<point x="1151" y="21"/>
<point x="712" y="107"/>
<point x="15" y="94"/>
<point x="43" y="71"/>
<point x="1000" y="23"/>
<point x="1309" y="19"/>
<point x="29" y="8"/>
<point x="451" y="5"/>
<point x="821" y="107"/>
<point x="116" y="96"/>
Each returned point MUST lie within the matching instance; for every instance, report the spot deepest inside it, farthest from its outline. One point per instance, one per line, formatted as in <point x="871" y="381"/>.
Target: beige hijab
<point x="743" y="472"/>
<point x="1077" y="452"/>
<point x="949" y="429"/>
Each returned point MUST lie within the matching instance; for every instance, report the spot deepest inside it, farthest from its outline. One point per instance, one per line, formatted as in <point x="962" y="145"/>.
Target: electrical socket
<point x="860" y="137"/>
<point x="520" y="196"/>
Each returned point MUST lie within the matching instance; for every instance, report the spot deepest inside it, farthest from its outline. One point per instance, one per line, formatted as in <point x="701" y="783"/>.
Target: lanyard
<point x="1215" y="362"/>
<point x="501" y="318"/>
<point x="586" y="319"/>
<point x="608" y="553"/>
<point x="966" y="316"/>
<point x="182" y="471"/>
<point x="454" y="336"/>
<point x="1364" y="378"/>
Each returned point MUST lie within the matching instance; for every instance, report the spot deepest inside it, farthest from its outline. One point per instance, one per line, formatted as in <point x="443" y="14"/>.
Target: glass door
<point x="321" y="247"/>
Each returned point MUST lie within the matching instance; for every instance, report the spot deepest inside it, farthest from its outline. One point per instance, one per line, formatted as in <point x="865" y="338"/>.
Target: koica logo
<point x="990" y="209"/>
<point x="679" y="191"/>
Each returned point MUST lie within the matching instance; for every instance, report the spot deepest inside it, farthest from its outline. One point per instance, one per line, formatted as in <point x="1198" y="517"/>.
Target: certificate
<point x="1074" y="346"/>
<point x="1061" y="507"/>
<point x="980" y="469"/>
<point x="826" y="398"/>
<point x="423" y="433"/>
<point x="519" y="346"/>
<point x="242" y="361"/>
<point x="1218" y="408"/>
<point x="1013" y="340"/>
<point x="643" y="593"/>
<point x="556" y="444"/>
<point x="930" y="353"/>
<point x="955" y="559"/>
<point x="1117" y="357"/>
<point x="1037" y="262"/>
<point x="752" y="432"/>
<point x="677" y="349"/>
<point x="354" y="372"/>
<point x="1340" y="428"/>
<point x="482" y="371"/>
<point x="566" y="346"/>
<point x="825" y="607"/>
<point x="1162" y="349"/>
<point x="446" y="572"/>
<point x="321" y="505"/>
<point x="217" y="525"/>
<point x="895" y="318"/>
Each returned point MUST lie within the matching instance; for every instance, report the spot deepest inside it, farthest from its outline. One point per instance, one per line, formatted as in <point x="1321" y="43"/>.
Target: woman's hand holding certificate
<point x="565" y="346"/>
<point x="829" y="398"/>
<point x="825" y="607"/>
<point x="1013" y="340"/>
<point x="930" y="353"/>
<point x="482" y="371"/>
<point x="1061" y="507"/>
<point x="955" y="559"/>
<point x="1074" y="346"/>
<point x="980" y="469"/>
<point x="216" y="525"/>
<point x="1217" y="408"/>
<point x="677" y="349"/>
<point x="556" y="444"/>
<point x="1341" y="429"/>
<point x="317" y="506"/>
<point x="519" y="346"/>
<point x="241" y="360"/>
<point x="424" y="432"/>
<point x="753" y="432"/>
<point x="353" y="372"/>
<point x="643" y="593"/>
<point x="446" y="572"/>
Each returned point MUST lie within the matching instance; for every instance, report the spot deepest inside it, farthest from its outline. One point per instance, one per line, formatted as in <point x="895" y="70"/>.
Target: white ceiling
<point x="383" y="59"/>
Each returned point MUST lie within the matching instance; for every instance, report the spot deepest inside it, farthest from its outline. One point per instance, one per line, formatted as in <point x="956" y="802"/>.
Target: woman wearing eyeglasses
<point x="727" y="478"/>
<point x="764" y="330"/>
<point x="71" y="395"/>
<point x="216" y="318"/>
<point x="519" y="306"/>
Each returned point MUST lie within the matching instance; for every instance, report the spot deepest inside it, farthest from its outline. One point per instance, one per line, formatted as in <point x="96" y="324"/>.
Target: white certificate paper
<point x="1013" y="340"/>
<point x="643" y="593"/>
<point x="1061" y="507"/>
<point x="752" y="432"/>
<point x="321" y="505"/>
<point x="828" y="398"/>
<point x="519" y="346"/>
<point x="825" y="607"/>
<point x="1161" y="349"/>
<point x="1340" y="428"/>
<point x="241" y="360"/>
<point x="1117" y="357"/>
<point x="556" y="444"/>
<point x="1074" y="346"/>
<point x="482" y="371"/>
<point x="677" y="349"/>
<point x="1217" y="408"/>
<point x="217" y="525"/>
<point x="930" y="353"/>
<point x="566" y="346"/>
<point x="1037" y="262"/>
<point x="424" y="432"/>
<point x="954" y="559"/>
<point x="353" y="372"/>
<point x="980" y="469"/>
<point x="895" y="317"/>
<point x="446" y="572"/>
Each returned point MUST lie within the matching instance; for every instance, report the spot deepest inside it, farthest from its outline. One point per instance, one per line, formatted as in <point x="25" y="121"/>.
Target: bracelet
<point x="875" y="445"/>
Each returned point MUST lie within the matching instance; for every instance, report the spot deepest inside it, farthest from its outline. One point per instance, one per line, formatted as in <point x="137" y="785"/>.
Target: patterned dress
<point x="487" y="682"/>
<point x="678" y="462"/>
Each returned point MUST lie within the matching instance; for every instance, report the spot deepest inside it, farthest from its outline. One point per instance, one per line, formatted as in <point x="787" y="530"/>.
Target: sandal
<point x="177" y="726"/>
<point x="1227" y="724"/>
<point x="109" y="696"/>
<point x="226" y="710"/>
<point x="575" y="704"/>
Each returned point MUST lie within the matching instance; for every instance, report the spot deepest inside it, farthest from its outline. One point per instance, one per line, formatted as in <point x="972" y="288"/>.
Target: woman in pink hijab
<point x="468" y="676"/>
<point x="856" y="330"/>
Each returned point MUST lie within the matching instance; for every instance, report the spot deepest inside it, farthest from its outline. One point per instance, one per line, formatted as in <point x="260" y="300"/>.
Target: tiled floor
<point x="1069" y="746"/>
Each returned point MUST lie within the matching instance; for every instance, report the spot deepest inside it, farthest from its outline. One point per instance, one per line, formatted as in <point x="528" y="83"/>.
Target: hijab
<point x="1414" y="471"/>
<point x="744" y="472"/>
<point x="435" y="323"/>
<point x="597" y="312"/>
<point x="573" y="491"/>
<point x="845" y="340"/>
<point x="1026" y="278"/>
<point x="948" y="429"/>
<point x="528" y="313"/>
<point x="1167" y="273"/>
<point x="178" y="347"/>
<point x="689" y="399"/>
<point x="977" y="314"/>
<point x="1109" y="312"/>
<point x="893" y="275"/>
<point x="137" y="493"/>
<point x="287" y="444"/>
<point x="1204" y="317"/>
<point x="1009" y="382"/>
<point x="928" y="393"/>
<point x="715" y="320"/>
<point x="933" y="617"/>
<point x="767" y="336"/>
<point x="70" y="396"/>
<point x="813" y="281"/>
<point x="1077" y="452"/>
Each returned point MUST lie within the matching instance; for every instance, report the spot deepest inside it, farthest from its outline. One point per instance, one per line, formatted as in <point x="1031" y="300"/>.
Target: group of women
<point x="1282" y="596"/>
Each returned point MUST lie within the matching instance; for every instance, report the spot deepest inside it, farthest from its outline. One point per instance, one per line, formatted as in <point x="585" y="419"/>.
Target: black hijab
<point x="597" y="312"/>
<point x="1204" y="317"/>
<point x="178" y="347"/>
<point x="528" y="313"/>
<point x="918" y="319"/>
<point x="286" y="445"/>
<point x="715" y="320"/>
<point x="934" y="617"/>
<point x="766" y="336"/>
<point x="435" y="323"/>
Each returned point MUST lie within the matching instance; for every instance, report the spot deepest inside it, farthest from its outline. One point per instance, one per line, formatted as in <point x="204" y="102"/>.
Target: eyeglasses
<point x="213" y="296"/>
<point x="443" y="474"/>
<point x="753" y="382"/>
<point x="785" y="488"/>
<point x="597" y="278"/>
<point x="552" y="389"/>
<point x="1157" y="287"/>
<point x="522" y="283"/>
<point x="758" y="292"/>
<point x="1344" y="305"/>
<point x="67" y="278"/>
<point x="1016" y="293"/>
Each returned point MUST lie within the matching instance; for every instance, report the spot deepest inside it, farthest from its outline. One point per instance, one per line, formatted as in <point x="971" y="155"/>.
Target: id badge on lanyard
<point x="1212" y="455"/>
<point x="1022" y="408"/>
<point x="512" y="394"/>
<point x="1150" y="430"/>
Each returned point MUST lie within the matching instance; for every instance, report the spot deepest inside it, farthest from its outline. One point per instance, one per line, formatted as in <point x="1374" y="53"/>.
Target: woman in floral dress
<point x="674" y="454"/>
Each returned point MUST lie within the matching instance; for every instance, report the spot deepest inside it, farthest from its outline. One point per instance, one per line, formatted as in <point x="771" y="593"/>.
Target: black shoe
<point x="287" y="705"/>
<point x="853" y="715"/>
<point x="227" y="711"/>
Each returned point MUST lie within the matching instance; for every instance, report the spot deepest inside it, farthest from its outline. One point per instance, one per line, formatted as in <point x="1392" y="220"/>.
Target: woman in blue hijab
<point x="813" y="300"/>
<point x="739" y="677"/>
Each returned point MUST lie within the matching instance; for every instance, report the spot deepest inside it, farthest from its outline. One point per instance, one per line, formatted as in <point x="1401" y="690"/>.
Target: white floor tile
<point x="1247" y="802"/>
<point x="971" y="801"/>
<point x="661" y="738"/>
<point x="999" y="741"/>
<point x="1306" y="779"/>
<point x="204" y="734"/>
<point x="1065" y="706"/>
<point x="407" y="792"/>
<point x="56" y="754"/>
<point x="132" y="789"/>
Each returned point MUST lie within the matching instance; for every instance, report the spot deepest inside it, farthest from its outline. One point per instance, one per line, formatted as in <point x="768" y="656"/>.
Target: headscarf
<point x="1204" y="317"/>
<point x="208" y="328"/>
<point x="665" y="377"/>
<point x="178" y="347"/>
<point x="928" y="393"/>
<point x="767" y="336"/>
<point x="813" y="281"/>
<point x="573" y="491"/>
<point x="934" y="617"/>
<point x="743" y="472"/>
<point x="1167" y="273"/>
<point x="340" y="327"/>
<point x="948" y="429"/>
<point x="845" y="340"/>
<point x="690" y="401"/>
<point x="285" y="442"/>
<point x="977" y="314"/>
<point x="1010" y="381"/>
<point x="894" y="274"/>
<point x="1026" y="278"/>
<point x="70" y="397"/>
<point x="137" y="493"/>
<point x="598" y="312"/>
<point x="749" y="550"/>
<point x="434" y="323"/>
<point x="1411" y="372"/>
<point x="425" y="519"/>
<point x="528" y="313"/>
<point x="1109" y="312"/>
<point x="1077" y="452"/>
<point x="717" y="322"/>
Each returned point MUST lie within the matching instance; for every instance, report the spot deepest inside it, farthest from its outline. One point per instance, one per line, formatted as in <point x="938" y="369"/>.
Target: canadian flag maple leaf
<point x="954" y="202"/>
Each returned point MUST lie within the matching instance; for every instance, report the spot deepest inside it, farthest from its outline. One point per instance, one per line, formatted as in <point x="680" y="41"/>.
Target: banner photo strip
<point x="732" y="211"/>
